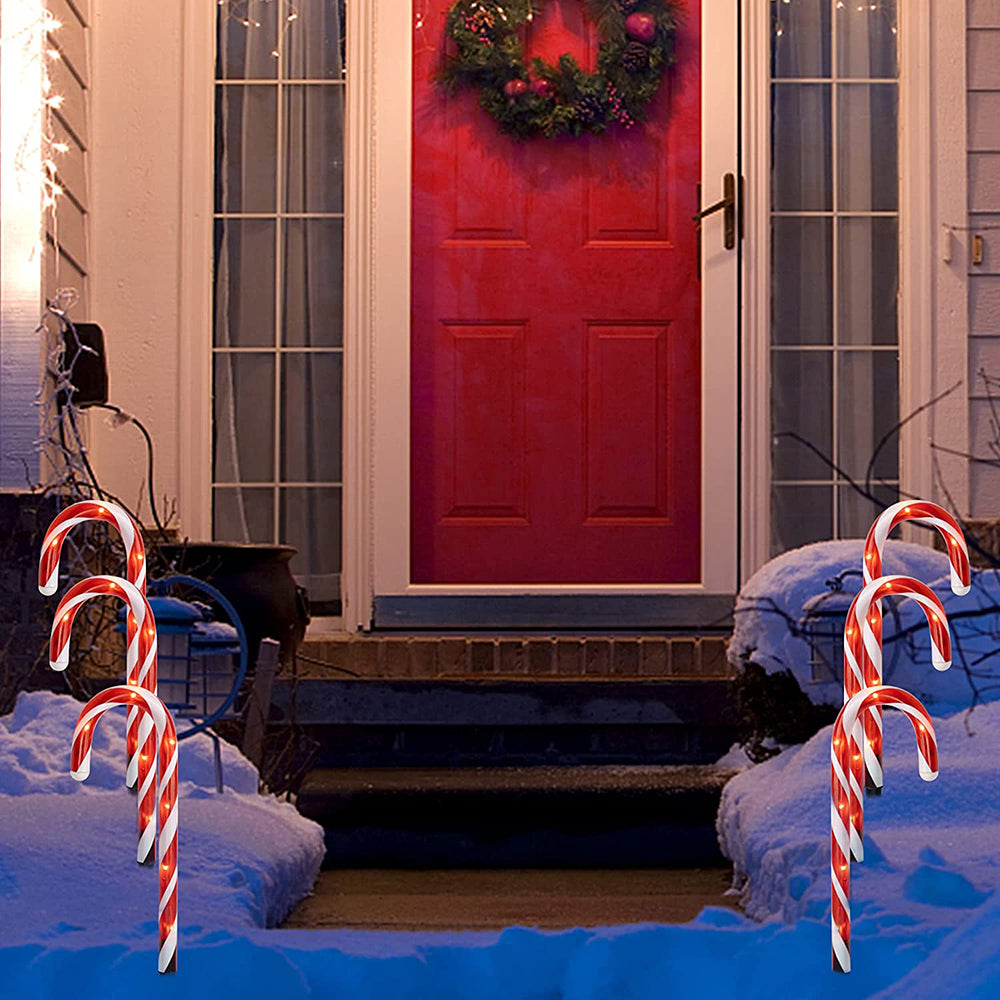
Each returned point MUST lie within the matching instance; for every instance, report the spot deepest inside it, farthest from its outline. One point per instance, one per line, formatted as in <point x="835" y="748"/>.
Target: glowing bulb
<point x="60" y="147"/>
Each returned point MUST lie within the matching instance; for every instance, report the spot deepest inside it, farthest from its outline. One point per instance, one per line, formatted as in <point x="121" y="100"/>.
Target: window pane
<point x="312" y="44"/>
<point x="310" y="521"/>
<point x="243" y="52"/>
<point x="313" y="286"/>
<point x="243" y="514"/>
<point x="801" y="281"/>
<point x="799" y="515"/>
<point x="868" y="278"/>
<point x="866" y="136"/>
<point x="800" y="39"/>
<point x="866" y="40"/>
<point x="868" y="409"/>
<point x="311" y="417"/>
<point x="800" y="147"/>
<point x="244" y="283"/>
<point x="314" y="151"/>
<point x="857" y="512"/>
<point x="801" y="406"/>
<point x="246" y="143"/>
<point x="243" y="425"/>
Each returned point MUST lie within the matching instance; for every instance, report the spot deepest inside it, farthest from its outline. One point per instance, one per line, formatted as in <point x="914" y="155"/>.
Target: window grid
<point x="835" y="349"/>
<point x="281" y="83"/>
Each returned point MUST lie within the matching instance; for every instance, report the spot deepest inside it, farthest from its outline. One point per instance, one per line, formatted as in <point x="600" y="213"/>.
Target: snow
<point x="68" y="847"/>
<point x="772" y="606"/>
<point x="77" y="914"/>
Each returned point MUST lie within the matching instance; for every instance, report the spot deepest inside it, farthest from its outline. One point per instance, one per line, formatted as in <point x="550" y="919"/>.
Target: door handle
<point x="727" y="205"/>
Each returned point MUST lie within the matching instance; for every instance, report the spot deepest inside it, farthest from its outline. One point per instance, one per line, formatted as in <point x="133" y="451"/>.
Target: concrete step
<point x="493" y="721"/>
<point x="499" y="817"/>
<point x="424" y="655"/>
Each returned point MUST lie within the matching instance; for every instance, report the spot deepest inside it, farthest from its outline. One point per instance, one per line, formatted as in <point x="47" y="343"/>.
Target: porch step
<point x="512" y="721"/>
<point x="632" y="816"/>
<point x="423" y="655"/>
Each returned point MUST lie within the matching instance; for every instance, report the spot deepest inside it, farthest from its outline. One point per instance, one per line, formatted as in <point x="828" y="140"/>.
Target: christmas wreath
<point x="637" y="45"/>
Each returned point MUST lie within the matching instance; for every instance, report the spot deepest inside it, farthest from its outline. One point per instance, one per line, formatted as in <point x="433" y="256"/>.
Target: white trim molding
<point x="194" y="474"/>
<point x="938" y="148"/>
<point x="359" y="315"/>
<point x="755" y="416"/>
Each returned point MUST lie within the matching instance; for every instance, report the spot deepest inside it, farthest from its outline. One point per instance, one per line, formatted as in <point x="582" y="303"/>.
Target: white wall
<point x="135" y="235"/>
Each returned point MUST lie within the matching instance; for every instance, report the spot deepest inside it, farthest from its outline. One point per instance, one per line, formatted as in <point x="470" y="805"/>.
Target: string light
<point x="245" y="12"/>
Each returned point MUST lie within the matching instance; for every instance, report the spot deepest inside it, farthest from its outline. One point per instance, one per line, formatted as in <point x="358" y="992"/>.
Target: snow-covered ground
<point x="77" y="915"/>
<point x="773" y="605"/>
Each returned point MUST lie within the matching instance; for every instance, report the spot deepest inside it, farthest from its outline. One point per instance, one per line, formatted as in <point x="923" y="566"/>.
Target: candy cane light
<point x="923" y="512"/>
<point x="141" y="634"/>
<point x="91" y="510"/>
<point x="863" y="654"/>
<point x="135" y="573"/>
<point x="165" y="736"/>
<point x="846" y="771"/>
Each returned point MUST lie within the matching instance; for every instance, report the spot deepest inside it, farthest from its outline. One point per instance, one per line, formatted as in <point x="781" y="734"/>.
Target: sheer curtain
<point x="278" y="285"/>
<point x="834" y="264"/>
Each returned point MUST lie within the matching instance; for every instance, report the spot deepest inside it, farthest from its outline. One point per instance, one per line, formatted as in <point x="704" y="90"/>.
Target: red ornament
<point x="543" y="88"/>
<point x="641" y="26"/>
<point x="514" y="88"/>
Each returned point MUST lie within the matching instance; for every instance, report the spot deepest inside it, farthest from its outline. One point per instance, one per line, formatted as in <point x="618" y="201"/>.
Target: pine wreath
<point x="637" y="45"/>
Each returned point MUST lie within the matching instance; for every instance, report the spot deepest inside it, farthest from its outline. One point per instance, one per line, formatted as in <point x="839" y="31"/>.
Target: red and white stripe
<point x="863" y="655"/>
<point x="847" y="802"/>
<point x="140" y="630"/>
<point x="135" y="573"/>
<point x="91" y="510"/>
<point x="924" y="512"/>
<point x="165" y="737"/>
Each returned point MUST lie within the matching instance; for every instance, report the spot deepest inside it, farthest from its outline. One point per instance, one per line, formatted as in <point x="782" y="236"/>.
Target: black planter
<point x="258" y="582"/>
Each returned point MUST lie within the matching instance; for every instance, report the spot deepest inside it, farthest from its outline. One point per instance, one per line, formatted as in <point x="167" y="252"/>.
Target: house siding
<point x="983" y="88"/>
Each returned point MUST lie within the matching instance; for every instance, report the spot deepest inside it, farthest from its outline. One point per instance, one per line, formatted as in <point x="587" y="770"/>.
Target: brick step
<point x="429" y="656"/>
<point x="516" y="816"/>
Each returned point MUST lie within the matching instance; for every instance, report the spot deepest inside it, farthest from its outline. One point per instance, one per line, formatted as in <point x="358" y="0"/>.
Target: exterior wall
<point x="70" y="76"/>
<point x="983" y="81"/>
<point x="136" y="236"/>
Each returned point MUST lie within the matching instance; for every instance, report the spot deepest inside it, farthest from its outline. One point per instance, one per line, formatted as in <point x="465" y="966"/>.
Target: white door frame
<point x="933" y="292"/>
<point x="377" y="374"/>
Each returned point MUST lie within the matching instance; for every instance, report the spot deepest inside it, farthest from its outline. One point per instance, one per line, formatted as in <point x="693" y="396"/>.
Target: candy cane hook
<point x="847" y="801"/>
<point x="141" y="634"/>
<point x="166" y="793"/>
<point x="923" y="512"/>
<point x="91" y="510"/>
<point x="863" y="657"/>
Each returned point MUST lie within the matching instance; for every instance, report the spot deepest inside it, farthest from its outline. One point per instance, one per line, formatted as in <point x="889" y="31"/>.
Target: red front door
<point x="555" y="341"/>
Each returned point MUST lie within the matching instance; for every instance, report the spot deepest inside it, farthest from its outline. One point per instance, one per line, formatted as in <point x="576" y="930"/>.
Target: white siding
<point x="983" y="69"/>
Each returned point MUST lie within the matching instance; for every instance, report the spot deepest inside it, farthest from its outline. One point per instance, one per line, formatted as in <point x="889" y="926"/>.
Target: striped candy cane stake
<point x="166" y="767"/>
<point x="846" y="771"/>
<point x="863" y="655"/>
<point x="924" y="512"/>
<point x="141" y="629"/>
<point x="135" y="572"/>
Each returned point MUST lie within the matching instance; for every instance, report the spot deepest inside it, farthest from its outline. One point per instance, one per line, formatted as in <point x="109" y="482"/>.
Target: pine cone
<point x="588" y="109"/>
<point x="635" y="58"/>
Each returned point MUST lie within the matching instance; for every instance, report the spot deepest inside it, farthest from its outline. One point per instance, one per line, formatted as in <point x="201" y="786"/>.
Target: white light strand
<point x="245" y="12"/>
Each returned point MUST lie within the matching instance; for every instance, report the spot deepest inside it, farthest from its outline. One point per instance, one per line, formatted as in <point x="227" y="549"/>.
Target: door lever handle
<point x="727" y="205"/>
